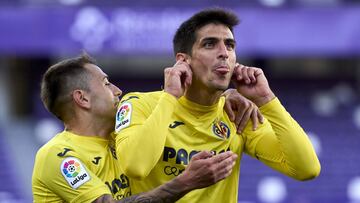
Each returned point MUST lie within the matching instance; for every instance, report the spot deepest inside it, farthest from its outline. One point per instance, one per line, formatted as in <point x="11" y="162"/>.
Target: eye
<point x="107" y="82"/>
<point x="208" y="44"/>
<point x="230" y="46"/>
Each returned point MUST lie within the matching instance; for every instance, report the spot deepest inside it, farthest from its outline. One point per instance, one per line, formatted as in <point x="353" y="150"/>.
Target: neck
<point x="203" y="96"/>
<point x="90" y="127"/>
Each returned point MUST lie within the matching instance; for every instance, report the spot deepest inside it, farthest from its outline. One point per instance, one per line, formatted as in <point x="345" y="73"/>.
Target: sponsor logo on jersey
<point x="120" y="187"/>
<point x="173" y="170"/>
<point x="176" y="124"/>
<point x="66" y="150"/>
<point x="123" y="116"/>
<point x="221" y="130"/>
<point x="96" y="160"/>
<point x="74" y="172"/>
<point x="183" y="156"/>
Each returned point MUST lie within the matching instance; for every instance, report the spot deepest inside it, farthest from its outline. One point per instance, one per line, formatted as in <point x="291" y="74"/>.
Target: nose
<point x="117" y="91"/>
<point x="223" y="52"/>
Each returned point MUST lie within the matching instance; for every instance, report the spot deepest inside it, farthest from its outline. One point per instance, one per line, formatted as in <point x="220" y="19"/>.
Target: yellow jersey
<point x="74" y="168"/>
<point x="156" y="136"/>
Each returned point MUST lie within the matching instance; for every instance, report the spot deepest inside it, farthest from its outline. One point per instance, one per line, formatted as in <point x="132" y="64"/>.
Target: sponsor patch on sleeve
<point x="74" y="172"/>
<point x="123" y="116"/>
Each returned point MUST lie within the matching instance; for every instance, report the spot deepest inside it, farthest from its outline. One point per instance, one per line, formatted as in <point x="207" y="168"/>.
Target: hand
<point x="177" y="78"/>
<point x="239" y="109"/>
<point x="252" y="83"/>
<point x="205" y="169"/>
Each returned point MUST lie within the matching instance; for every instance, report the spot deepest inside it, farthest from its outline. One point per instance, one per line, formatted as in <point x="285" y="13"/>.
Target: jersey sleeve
<point x="141" y="131"/>
<point x="65" y="178"/>
<point x="282" y="144"/>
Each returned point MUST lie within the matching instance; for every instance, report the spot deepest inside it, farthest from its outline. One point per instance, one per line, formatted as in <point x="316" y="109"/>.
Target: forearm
<point x="296" y="154"/>
<point x="166" y="193"/>
<point x="140" y="145"/>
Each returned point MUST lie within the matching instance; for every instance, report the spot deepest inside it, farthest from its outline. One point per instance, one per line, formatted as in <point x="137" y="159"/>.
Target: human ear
<point x="182" y="57"/>
<point x="81" y="98"/>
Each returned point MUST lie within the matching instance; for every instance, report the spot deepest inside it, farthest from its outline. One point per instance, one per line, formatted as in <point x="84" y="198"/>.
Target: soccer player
<point x="80" y="163"/>
<point x="163" y="130"/>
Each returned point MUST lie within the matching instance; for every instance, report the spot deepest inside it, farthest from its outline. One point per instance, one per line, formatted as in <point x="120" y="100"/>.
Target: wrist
<point x="260" y="101"/>
<point x="182" y="183"/>
<point x="229" y="92"/>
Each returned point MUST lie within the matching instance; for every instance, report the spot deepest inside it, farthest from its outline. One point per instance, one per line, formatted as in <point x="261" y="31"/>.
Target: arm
<point x="142" y="134"/>
<point x="203" y="171"/>
<point x="290" y="142"/>
<point x="280" y="143"/>
<point x="144" y="138"/>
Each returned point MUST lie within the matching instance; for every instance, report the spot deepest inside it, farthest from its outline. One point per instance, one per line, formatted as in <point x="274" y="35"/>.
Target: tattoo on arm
<point x="166" y="193"/>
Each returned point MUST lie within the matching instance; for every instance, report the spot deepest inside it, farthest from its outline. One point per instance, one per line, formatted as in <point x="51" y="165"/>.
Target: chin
<point x="221" y="87"/>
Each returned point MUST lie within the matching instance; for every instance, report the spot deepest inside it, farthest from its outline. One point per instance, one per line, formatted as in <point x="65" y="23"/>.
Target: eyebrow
<point x="227" y="40"/>
<point x="230" y="40"/>
<point x="209" y="39"/>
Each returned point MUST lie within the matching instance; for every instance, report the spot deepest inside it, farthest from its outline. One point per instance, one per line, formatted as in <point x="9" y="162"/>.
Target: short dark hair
<point x="61" y="79"/>
<point x="185" y="35"/>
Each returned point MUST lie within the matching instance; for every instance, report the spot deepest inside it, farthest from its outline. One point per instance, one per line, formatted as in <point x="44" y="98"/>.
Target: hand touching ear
<point x="252" y="83"/>
<point x="177" y="78"/>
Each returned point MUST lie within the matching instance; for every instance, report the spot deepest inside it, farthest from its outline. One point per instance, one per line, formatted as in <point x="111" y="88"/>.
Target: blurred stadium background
<point x="309" y="50"/>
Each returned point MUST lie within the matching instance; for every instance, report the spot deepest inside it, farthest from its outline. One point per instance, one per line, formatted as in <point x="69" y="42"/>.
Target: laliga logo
<point x="221" y="130"/>
<point x="74" y="172"/>
<point x="122" y="113"/>
<point x="71" y="168"/>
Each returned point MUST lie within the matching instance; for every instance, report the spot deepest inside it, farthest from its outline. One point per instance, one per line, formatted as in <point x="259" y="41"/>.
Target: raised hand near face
<point x="252" y="83"/>
<point x="177" y="78"/>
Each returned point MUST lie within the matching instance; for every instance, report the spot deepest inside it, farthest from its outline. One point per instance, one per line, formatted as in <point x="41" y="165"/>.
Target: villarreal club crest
<point x="220" y="129"/>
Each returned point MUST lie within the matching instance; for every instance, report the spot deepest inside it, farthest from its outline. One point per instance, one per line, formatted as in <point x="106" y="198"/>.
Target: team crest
<point x="221" y="130"/>
<point x="74" y="172"/>
<point x="123" y="116"/>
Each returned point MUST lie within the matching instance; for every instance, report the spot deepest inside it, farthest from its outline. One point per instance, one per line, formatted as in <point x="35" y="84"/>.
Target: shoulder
<point x="58" y="147"/>
<point x="132" y="96"/>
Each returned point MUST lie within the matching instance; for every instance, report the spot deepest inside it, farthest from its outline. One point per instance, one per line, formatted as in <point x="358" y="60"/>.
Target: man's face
<point x="213" y="57"/>
<point x="104" y="96"/>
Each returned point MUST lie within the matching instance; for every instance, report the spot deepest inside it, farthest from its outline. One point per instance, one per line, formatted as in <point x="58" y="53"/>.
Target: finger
<point x="245" y="75"/>
<point x="185" y="72"/>
<point x="229" y="111"/>
<point x="220" y="157"/>
<point x="258" y="71"/>
<point x="251" y="74"/>
<point x="178" y="62"/>
<point x="225" y="166"/>
<point x="240" y="114"/>
<point x="244" y="120"/>
<point x="237" y="72"/>
<point x="254" y="118"/>
<point x="223" y="175"/>
<point x="202" y="155"/>
<point x="260" y="116"/>
<point x="188" y="76"/>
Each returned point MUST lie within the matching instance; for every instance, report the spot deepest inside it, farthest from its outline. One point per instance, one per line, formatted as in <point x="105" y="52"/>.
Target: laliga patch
<point x="123" y="116"/>
<point x="74" y="172"/>
<point x="221" y="130"/>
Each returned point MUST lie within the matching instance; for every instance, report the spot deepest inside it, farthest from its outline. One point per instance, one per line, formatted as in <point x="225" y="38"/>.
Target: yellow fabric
<point x="49" y="184"/>
<point x="145" y="122"/>
<point x="179" y="129"/>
